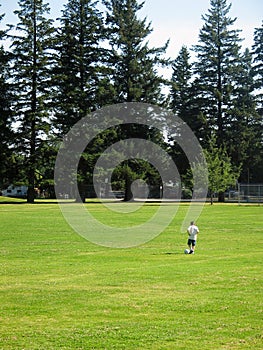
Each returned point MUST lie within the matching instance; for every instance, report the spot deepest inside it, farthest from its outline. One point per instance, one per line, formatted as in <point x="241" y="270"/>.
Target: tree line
<point x="52" y="76"/>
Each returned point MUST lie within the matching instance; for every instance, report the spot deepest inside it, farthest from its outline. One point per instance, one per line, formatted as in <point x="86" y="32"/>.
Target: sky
<point x="177" y="20"/>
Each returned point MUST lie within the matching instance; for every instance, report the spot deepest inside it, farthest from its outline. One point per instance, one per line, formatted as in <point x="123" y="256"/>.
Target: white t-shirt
<point x="193" y="231"/>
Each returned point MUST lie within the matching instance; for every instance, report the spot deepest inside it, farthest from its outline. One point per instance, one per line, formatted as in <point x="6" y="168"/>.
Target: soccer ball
<point x="186" y="251"/>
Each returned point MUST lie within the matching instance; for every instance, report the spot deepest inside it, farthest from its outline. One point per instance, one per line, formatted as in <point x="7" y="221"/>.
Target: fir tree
<point x="31" y="53"/>
<point x="133" y="67"/>
<point x="217" y="66"/>
<point x="133" y="63"/>
<point x="6" y="133"/>
<point x="183" y="94"/>
<point x="244" y="132"/>
<point x="79" y="73"/>
<point x="80" y="76"/>
<point x="258" y="76"/>
<point x="181" y="85"/>
<point x="258" y="65"/>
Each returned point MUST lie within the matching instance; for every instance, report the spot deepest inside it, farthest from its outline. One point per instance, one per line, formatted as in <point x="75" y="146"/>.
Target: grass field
<point x="58" y="291"/>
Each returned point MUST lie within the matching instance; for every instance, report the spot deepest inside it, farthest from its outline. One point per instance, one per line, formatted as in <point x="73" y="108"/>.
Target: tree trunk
<point x="32" y="118"/>
<point x="31" y="188"/>
<point x="128" y="192"/>
<point x="81" y="196"/>
<point x="221" y="197"/>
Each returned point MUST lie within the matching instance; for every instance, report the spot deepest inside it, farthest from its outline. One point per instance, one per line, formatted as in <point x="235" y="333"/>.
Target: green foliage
<point x="181" y="97"/>
<point x="132" y="63"/>
<point x="217" y="65"/>
<point x="6" y="132"/>
<point x="100" y="59"/>
<point x="31" y="59"/>
<point x="258" y="59"/>
<point x="258" y="76"/>
<point x="225" y="88"/>
<point x="221" y="172"/>
<point x="244" y="141"/>
<point x="185" y="104"/>
<point x="79" y="74"/>
<point x="187" y="193"/>
<point x="133" y="72"/>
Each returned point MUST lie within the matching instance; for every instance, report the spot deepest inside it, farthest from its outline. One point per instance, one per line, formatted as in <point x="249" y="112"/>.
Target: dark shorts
<point x="191" y="242"/>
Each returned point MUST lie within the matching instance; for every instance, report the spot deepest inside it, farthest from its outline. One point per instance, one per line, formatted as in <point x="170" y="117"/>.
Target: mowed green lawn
<point x="59" y="291"/>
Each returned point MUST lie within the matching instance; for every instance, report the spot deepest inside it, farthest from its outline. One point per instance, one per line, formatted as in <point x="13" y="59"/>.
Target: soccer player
<point x="192" y="237"/>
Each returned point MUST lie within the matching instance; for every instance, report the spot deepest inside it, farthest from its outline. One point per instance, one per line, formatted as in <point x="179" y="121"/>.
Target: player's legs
<point x="192" y="248"/>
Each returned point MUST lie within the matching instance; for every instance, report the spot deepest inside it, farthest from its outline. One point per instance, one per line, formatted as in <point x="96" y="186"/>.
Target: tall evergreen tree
<point x="258" y="76"/>
<point x="217" y="65"/>
<point x="133" y="62"/>
<point x="6" y="134"/>
<point x="258" y="65"/>
<point x="184" y="99"/>
<point x="244" y="140"/>
<point x="181" y="101"/>
<point x="79" y="74"/>
<point x="133" y="67"/>
<point x="181" y="85"/>
<point x="31" y="51"/>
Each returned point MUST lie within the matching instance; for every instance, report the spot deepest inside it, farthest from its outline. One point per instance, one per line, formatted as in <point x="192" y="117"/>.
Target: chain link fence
<point x="250" y="193"/>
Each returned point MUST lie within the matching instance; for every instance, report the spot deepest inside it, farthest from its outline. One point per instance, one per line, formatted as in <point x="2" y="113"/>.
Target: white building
<point x="15" y="191"/>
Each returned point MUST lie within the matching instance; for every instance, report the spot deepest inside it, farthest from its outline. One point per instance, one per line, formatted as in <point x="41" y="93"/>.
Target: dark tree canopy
<point x="31" y="59"/>
<point x="133" y="63"/>
<point x="217" y="65"/>
<point x="78" y="74"/>
<point x="52" y="74"/>
<point x="7" y="169"/>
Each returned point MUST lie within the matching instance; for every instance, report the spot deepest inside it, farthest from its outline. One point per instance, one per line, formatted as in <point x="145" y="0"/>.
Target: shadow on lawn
<point x="14" y="201"/>
<point x="10" y="200"/>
